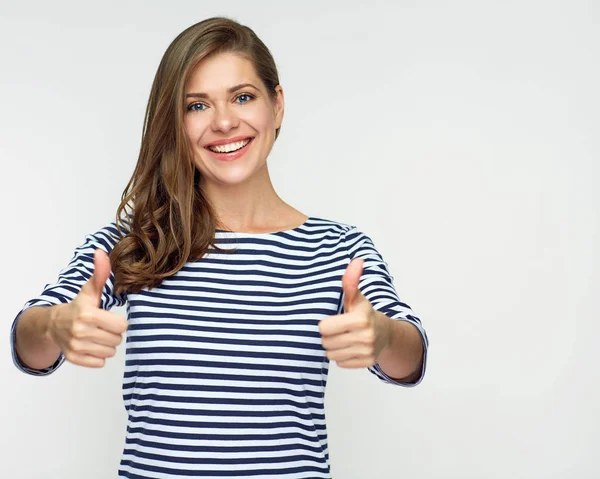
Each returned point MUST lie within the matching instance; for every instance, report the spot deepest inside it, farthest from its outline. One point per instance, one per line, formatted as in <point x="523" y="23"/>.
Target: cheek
<point x="261" y="119"/>
<point x="193" y="129"/>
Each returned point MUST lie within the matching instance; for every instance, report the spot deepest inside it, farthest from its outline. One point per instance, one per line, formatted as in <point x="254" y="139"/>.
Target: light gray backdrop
<point x="461" y="136"/>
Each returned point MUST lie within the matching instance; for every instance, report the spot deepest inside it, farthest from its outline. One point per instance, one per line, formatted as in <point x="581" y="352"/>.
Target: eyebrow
<point x="230" y="90"/>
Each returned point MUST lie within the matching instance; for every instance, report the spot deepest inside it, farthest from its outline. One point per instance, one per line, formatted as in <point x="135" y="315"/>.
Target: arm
<point x="405" y="355"/>
<point x="33" y="344"/>
<point x="402" y="358"/>
<point x="33" y="349"/>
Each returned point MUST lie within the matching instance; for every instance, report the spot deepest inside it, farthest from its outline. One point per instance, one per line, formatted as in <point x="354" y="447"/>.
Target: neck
<point x="247" y="205"/>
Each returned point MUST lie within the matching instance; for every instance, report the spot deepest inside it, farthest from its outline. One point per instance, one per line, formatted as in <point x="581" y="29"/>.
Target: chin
<point x="234" y="177"/>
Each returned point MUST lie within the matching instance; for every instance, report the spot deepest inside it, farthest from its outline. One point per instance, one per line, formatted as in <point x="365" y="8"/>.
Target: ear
<point x="279" y="106"/>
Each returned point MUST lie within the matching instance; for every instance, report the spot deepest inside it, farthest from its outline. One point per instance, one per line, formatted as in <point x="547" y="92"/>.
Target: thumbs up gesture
<point x="355" y="338"/>
<point x="85" y="333"/>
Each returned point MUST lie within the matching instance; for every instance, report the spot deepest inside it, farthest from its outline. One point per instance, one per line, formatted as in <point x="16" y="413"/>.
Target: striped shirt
<point x="225" y="372"/>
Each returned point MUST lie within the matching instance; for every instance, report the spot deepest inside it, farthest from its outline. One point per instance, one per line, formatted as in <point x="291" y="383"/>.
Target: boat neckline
<point x="310" y="218"/>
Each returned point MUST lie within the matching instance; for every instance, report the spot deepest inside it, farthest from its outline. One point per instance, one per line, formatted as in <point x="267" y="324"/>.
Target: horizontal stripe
<point x="225" y="372"/>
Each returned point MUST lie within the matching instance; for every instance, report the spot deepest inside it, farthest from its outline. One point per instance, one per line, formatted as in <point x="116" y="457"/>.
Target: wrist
<point x="53" y="314"/>
<point x="386" y="328"/>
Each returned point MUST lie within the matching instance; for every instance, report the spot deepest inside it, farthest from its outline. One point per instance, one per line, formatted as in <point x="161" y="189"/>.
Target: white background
<point x="461" y="136"/>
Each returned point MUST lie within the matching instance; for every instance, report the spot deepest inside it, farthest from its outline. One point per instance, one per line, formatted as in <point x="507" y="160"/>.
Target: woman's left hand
<point x="356" y="338"/>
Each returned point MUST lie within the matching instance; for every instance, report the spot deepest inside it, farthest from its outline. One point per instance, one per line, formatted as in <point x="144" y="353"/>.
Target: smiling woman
<point x="231" y="123"/>
<point x="228" y="89"/>
<point x="236" y="301"/>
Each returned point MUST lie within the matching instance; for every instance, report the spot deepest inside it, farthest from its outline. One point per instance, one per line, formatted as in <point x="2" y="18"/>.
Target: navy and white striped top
<point x="225" y="372"/>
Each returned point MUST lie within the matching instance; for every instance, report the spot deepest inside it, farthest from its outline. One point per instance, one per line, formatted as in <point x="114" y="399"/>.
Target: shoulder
<point x="346" y="231"/>
<point x="107" y="236"/>
<point x="318" y="224"/>
<point x="348" y="236"/>
<point x="354" y="241"/>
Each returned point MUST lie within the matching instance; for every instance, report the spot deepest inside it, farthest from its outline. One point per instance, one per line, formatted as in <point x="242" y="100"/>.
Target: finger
<point x="95" y="284"/>
<point x="342" y="323"/>
<point x="345" y="340"/>
<point x="112" y="322"/>
<point x="90" y="348"/>
<point x="338" y="341"/>
<point x="333" y="325"/>
<point x="107" y="339"/>
<point x="96" y="335"/>
<point x="352" y="352"/>
<point x="106" y="320"/>
<point x="357" y="363"/>
<point x="85" y="360"/>
<point x="350" y="281"/>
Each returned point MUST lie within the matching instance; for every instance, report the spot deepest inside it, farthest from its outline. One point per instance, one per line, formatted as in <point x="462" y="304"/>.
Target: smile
<point x="230" y="151"/>
<point x="230" y="147"/>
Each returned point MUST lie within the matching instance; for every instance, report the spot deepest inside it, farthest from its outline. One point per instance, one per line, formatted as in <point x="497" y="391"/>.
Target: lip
<point x="233" y="155"/>
<point x="227" y="140"/>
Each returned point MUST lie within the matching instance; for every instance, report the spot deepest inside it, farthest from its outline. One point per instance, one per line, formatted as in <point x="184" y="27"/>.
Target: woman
<point x="236" y="300"/>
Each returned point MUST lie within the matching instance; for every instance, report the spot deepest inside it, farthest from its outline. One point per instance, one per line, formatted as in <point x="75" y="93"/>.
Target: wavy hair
<point x="164" y="218"/>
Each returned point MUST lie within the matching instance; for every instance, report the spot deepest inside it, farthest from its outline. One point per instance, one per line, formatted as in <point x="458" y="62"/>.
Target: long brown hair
<point x="164" y="218"/>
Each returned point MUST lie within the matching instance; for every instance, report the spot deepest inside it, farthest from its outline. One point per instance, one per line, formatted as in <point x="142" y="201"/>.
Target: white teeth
<point x="228" y="148"/>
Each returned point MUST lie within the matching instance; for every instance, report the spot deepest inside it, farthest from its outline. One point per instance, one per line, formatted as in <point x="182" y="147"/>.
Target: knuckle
<point x="74" y="345"/>
<point x="360" y="322"/>
<point x="369" y="336"/>
<point x="85" y="315"/>
<point x="77" y="329"/>
<point x="368" y="352"/>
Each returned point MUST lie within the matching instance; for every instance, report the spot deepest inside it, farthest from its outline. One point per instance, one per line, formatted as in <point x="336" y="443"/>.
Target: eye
<point x="196" y="107"/>
<point x="245" y="97"/>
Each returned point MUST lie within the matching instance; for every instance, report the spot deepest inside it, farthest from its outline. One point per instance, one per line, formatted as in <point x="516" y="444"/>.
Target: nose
<point x="224" y="119"/>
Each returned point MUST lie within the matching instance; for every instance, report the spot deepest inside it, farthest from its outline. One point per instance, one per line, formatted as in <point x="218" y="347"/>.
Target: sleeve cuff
<point x="376" y="368"/>
<point x="13" y="336"/>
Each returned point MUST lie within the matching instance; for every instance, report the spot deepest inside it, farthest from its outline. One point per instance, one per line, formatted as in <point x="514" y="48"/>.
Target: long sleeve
<point x="67" y="286"/>
<point x="377" y="285"/>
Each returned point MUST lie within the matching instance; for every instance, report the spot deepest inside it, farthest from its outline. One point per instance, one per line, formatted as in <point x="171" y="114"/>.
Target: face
<point x="230" y="119"/>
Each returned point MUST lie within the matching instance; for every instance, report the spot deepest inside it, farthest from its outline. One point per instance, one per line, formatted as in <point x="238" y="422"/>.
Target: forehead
<point x="219" y="72"/>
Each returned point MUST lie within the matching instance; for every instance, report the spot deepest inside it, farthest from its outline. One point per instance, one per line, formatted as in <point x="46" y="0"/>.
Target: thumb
<point x="95" y="284"/>
<point x="350" y="282"/>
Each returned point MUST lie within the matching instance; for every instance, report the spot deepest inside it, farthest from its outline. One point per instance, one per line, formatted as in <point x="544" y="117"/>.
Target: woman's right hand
<point x="85" y="333"/>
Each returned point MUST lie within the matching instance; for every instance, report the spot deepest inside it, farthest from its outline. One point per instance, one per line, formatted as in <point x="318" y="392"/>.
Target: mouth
<point x="230" y="151"/>
<point x="229" y="147"/>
